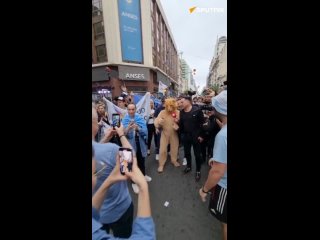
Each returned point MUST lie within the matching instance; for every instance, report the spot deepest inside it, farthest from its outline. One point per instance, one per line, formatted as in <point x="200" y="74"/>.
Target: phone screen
<point x="126" y="158"/>
<point x="116" y="120"/>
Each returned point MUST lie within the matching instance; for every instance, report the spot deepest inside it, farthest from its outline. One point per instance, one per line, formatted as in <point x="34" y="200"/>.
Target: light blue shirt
<point x="118" y="199"/>
<point x="143" y="132"/>
<point x="143" y="229"/>
<point x="220" y="152"/>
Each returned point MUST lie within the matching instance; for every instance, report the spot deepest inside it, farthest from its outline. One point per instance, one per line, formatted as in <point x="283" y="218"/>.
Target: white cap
<point x="219" y="102"/>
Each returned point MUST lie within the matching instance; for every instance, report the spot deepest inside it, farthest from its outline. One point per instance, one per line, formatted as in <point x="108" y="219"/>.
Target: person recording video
<point x="143" y="226"/>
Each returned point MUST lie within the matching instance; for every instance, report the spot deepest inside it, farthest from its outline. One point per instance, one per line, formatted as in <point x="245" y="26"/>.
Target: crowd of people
<point x="199" y="123"/>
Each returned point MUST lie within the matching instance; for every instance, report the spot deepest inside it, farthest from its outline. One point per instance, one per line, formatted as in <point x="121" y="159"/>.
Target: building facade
<point x="132" y="46"/>
<point x="187" y="79"/>
<point x="218" y="67"/>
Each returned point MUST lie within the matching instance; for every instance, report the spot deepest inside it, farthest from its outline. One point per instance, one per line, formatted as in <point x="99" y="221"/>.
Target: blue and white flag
<point x="143" y="106"/>
<point x="162" y="87"/>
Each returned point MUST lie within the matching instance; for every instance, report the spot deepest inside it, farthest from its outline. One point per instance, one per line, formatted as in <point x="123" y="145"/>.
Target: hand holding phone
<point x="126" y="159"/>
<point x="136" y="176"/>
<point x="131" y="124"/>
<point x="116" y="120"/>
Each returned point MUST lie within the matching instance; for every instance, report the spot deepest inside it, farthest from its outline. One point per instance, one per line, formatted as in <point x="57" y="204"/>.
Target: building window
<point x="154" y="59"/>
<point x="152" y="32"/>
<point x="159" y="16"/>
<point x="151" y="6"/>
<point x="98" y="30"/>
<point x="156" y="17"/>
<point x="158" y="41"/>
<point x="162" y="52"/>
<point x="152" y="25"/>
<point x="157" y="33"/>
<point x="96" y="7"/>
<point x="101" y="53"/>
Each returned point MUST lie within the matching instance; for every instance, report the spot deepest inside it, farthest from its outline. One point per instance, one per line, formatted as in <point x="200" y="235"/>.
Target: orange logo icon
<point x="192" y="9"/>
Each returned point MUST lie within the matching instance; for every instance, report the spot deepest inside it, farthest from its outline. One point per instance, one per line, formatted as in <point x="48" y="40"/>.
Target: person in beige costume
<point x="167" y="121"/>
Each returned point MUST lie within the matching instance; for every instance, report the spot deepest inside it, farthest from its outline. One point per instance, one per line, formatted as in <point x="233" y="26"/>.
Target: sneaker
<point x="184" y="162"/>
<point x="135" y="188"/>
<point x="186" y="170"/>
<point x="148" y="179"/>
<point x="157" y="157"/>
<point x="198" y="175"/>
<point x="148" y="152"/>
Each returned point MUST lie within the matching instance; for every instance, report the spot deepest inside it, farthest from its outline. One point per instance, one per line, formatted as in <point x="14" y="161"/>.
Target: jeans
<point x="188" y="142"/>
<point x="151" y="133"/>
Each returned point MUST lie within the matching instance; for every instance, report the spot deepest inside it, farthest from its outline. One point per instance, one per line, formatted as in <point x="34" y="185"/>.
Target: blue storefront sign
<point x="130" y="30"/>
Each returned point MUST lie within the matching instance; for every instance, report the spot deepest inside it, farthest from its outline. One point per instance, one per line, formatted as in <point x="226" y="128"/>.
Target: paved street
<point x="186" y="217"/>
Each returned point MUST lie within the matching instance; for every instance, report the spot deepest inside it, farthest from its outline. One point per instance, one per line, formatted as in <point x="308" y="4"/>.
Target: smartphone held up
<point x="126" y="158"/>
<point x="116" y="120"/>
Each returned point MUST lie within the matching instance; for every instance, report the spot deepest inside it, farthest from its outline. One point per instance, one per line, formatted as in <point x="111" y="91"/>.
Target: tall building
<point x="180" y="79"/>
<point x="218" y="67"/>
<point x="184" y="74"/>
<point x="132" y="45"/>
<point x="220" y="45"/>
<point x="188" y="81"/>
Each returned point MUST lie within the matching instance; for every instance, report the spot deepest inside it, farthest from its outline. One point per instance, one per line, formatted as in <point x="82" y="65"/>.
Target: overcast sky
<point x="195" y="34"/>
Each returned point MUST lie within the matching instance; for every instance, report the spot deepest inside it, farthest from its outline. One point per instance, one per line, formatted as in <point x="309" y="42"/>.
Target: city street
<point x="186" y="216"/>
<point x="167" y="49"/>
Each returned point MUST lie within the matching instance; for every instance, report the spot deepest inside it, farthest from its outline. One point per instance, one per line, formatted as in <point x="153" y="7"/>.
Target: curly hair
<point x="171" y="105"/>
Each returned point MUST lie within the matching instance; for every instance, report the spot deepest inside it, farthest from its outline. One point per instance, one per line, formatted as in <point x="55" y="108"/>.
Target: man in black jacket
<point x="210" y="127"/>
<point x="191" y="121"/>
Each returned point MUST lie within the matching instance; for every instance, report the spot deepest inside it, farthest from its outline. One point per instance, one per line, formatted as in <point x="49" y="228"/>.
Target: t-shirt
<point x="151" y="118"/>
<point x="191" y="122"/>
<point x="118" y="198"/>
<point x="220" y="152"/>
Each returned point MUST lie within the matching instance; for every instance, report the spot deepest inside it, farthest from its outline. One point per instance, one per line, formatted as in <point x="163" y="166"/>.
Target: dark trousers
<point x="210" y="146"/>
<point x="188" y="142"/>
<point x="140" y="159"/>
<point x="123" y="227"/>
<point x="157" y="142"/>
<point x="206" y="149"/>
<point x="151" y="133"/>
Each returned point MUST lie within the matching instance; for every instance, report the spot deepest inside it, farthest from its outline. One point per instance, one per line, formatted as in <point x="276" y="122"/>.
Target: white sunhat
<point x="219" y="102"/>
